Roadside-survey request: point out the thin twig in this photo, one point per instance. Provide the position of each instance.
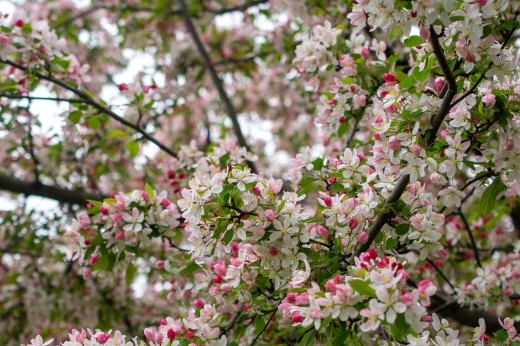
(90, 101)
(233, 321)
(40, 98)
(264, 328)
(471, 237)
(210, 66)
(481, 78)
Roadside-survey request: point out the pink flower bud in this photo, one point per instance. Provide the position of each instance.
(302, 298)
(489, 100)
(120, 235)
(427, 318)
(480, 2)
(102, 338)
(159, 264)
(470, 57)
(362, 237)
(389, 79)
(256, 190)
(103, 210)
(275, 185)
(383, 93)
(149, 334)
(327, 201)
(86, 273)
(365, 52)
(332, 180)
(273, 251)
(439, 83)
(93, 259)
(19, 23)
(297, 319)
(198, 303)
(269, 215)
(165, 203)
(122, 87)
(291, 298)
(394, 144)
(170, 333)
(353, 223)
(330, 286)
(322, 231)
(189, 335)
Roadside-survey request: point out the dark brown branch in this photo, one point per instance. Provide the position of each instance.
(90, 101)
(40, 98)
(471, 237)
(239, 7)
(233, 320)
(429, 137)
(37, 189)
(210, 66)
(481, 78)
(264, 328)
(468, 317)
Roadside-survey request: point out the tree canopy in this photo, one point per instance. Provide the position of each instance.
(254, 172)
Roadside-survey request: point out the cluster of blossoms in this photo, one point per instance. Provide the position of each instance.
(375, 292)
(199, 328)
(89, 338)
(315, 49)
(493, 283)
(124, 220)
(35, 46)
(238, 205)
(345, 98)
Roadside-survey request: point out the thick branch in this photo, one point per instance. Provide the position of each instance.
(210, 66)
(56, 193)
(465, 316)
(429, 137)
(90, 101)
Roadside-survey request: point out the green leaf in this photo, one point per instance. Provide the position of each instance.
(133, 148)
(75, 116)
(362, 287)
(402, 229)
(149, 190)
(400, 329)
(131, 270)
(190, 269)
(342, 129)
(116, 134)
(489, 197)
(228, 236)
(501, 335)
(391, 243)
(101, 264)
(412, 41)
(318, 164)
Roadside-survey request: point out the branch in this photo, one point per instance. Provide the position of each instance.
(264, 328)
(240, 7)
(471, 238)
(233, 321)
(429, 137)
(40, 98)
(465, 316)
(37, 189)
(481, 78)
(90, 101)
(210, 66)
